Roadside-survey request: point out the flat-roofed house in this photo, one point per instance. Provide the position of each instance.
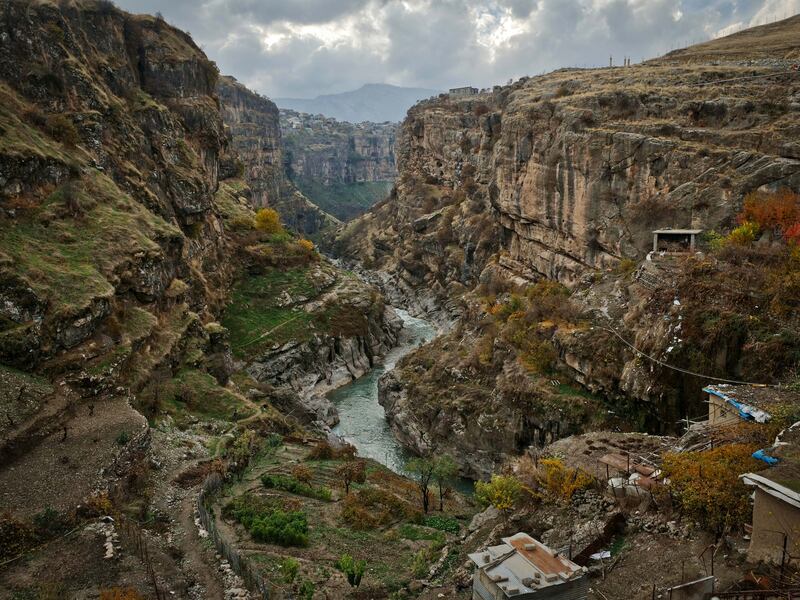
(463, 91)
(524, 568)
(675, 240)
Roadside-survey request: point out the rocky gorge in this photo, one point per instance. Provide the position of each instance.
(130, 175)
(343, 167)
(256, 137)
(173, 344)
(562, 178)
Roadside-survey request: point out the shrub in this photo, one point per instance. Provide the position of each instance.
(562, 481)
(714, 240)
(744, 234)
(289, 567)
(267, 522)
(778, 211)
(370, 507)
(268, 221)
(303, 474)
(306, 245)
(448, 524)
(244, 447)
(322, 450)
(353, 569)
(282, 528)
(626, 267)
(62, 129)
(123, 438)
(420, 563)
(792, 234)
(292, 485)
(706, 484)
(50, 522)
(306, 590)
(99, 504)
(539, 356)
(480, 109)
(502, 491)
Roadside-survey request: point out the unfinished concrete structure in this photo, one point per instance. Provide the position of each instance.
(776, 502)
(675, 240)
(463, 91)
(524, 568)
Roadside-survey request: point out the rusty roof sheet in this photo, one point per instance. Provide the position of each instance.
(541, 556)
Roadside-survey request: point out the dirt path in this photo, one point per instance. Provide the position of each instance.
(196, 556)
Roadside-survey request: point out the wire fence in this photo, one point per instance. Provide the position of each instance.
(132, 532)
(241, 565)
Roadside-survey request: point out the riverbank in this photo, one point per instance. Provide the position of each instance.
(362, 421)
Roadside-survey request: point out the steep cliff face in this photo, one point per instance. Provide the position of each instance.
(307, 329)
(564, 177)
(256, 137)
(342, 167)
(580, 166)
(109, 164)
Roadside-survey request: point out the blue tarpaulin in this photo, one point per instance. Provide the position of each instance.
(761, 455)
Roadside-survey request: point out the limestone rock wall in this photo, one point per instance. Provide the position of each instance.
(112, 134)
(256, 137)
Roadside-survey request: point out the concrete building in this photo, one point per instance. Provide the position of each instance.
(463, 91)
(776, 502)
(675, 240)
(524, 568)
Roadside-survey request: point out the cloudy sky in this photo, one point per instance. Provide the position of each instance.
(303, 48)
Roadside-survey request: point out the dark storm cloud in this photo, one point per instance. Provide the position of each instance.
(310, 47)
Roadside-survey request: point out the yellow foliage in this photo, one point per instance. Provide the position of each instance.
(306, 245)
(100, 504)
(502, 492)
(744, 234)
(707, 486)
(562, 481)
(268, 221)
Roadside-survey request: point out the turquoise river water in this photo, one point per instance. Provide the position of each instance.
(362, 419)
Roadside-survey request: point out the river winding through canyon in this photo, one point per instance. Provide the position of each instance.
(362, 421)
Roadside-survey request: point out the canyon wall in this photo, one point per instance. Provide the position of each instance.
(563, 177)
(109, 161)
(342, 167)
(256, 138)
(124, 224)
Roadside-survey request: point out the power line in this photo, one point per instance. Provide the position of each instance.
(687, 371)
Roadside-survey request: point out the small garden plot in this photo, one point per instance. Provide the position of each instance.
(300, 528)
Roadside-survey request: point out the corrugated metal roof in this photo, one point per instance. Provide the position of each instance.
(753, 401)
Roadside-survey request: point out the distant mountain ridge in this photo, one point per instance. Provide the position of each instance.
(376, 102)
